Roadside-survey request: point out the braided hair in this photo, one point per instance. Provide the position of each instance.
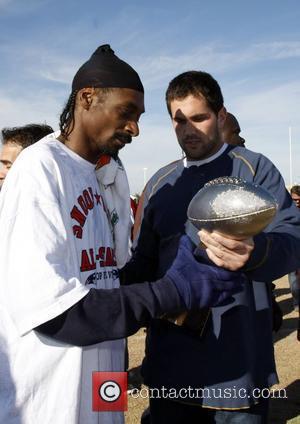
(67, 117)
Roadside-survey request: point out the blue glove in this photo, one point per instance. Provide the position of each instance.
(201, 285)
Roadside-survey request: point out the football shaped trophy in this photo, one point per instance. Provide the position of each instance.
(232, 207)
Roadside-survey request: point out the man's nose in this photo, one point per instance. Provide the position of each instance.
(190, 129)
(132, 128)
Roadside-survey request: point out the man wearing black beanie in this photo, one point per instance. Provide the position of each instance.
(62, 313)
(116, 90)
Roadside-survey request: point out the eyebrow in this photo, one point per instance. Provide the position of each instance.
(180, 115)
(131, 107)
(6, 162)
(201, 115)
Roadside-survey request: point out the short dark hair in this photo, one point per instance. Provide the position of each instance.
(198, 84)
(67, 117)
(26, 135)
(296, 189)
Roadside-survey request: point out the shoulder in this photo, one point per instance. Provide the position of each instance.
(47, 147)
(35, 170)
(256, 167)
(249, 160)
(41, 157)
(167, 174)
(244, 153)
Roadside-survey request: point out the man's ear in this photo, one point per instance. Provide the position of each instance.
(85, 97)
(222, 117)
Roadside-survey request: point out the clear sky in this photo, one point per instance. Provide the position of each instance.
(251, 48)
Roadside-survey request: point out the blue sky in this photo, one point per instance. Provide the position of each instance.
(251, 48)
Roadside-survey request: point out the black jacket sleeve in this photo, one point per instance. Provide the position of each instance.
(113, 314)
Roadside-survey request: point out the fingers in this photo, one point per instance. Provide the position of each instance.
(216, 239)
(227, 261)
(230, 261)
(217, 260)
(225, 252)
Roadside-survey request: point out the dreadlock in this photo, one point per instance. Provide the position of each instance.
(67, 117)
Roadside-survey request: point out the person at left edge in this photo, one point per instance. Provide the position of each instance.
(60, 301)
(14, 140)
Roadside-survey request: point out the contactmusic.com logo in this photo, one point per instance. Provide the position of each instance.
(109, 391)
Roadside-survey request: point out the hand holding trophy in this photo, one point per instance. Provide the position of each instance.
(232, 208)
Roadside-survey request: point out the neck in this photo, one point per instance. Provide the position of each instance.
(75, 142)
(208, 155)
(187, 162)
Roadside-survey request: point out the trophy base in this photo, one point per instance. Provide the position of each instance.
(193, 321)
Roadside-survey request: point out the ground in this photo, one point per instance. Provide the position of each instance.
(287, 353)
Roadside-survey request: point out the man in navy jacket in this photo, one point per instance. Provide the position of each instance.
(234, 360)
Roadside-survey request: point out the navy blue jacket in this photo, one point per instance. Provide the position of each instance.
(236, 351)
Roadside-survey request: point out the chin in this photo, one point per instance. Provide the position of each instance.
(196, 155)
(201, 153)
(111, 151)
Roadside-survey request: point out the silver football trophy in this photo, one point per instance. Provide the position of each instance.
(233, 207)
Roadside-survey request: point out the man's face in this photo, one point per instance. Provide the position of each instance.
(197, 127)
(8, 155)
(231, 132)
(296, 199)
(111, 122)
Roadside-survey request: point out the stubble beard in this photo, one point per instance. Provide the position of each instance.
(210, 148)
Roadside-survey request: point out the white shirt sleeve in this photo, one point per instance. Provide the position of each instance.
(39, 276)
